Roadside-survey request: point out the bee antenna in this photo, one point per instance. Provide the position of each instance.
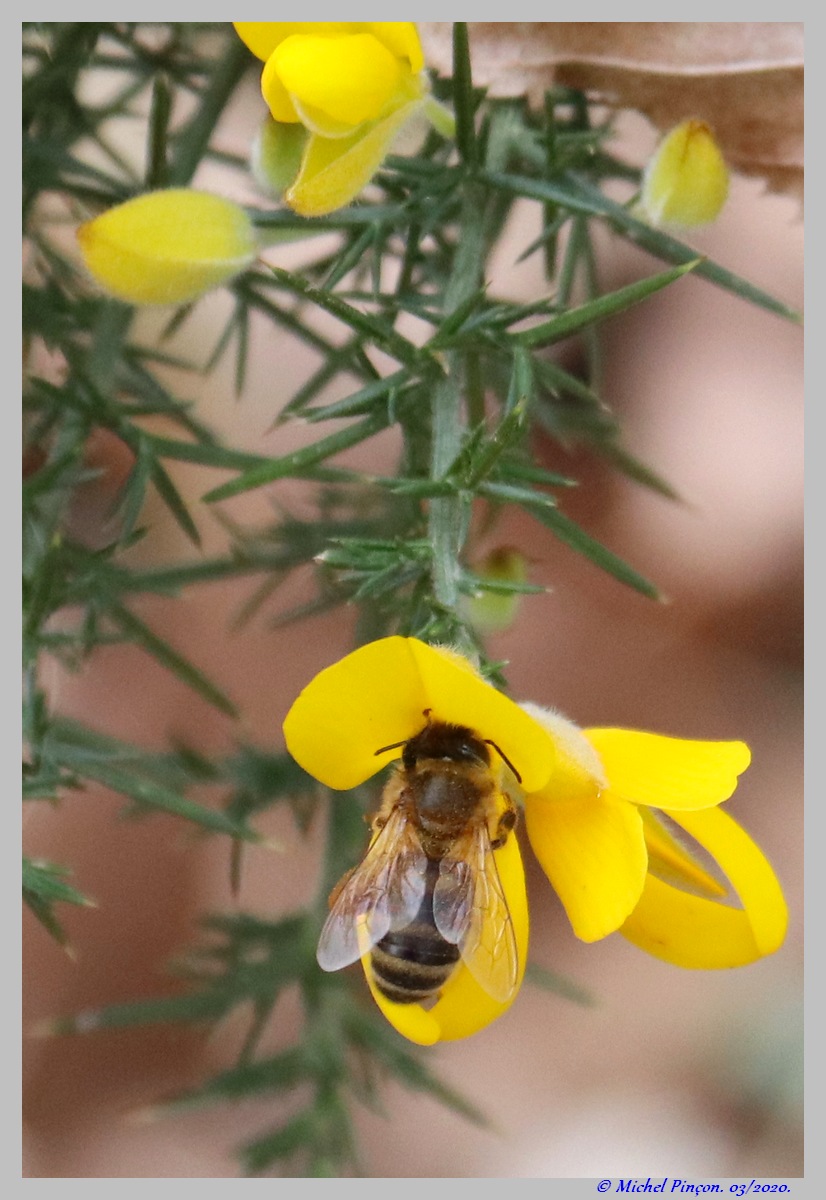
(426, 714)
(504, 758)
(394, 746)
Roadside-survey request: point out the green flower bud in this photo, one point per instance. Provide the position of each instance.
(491, 611)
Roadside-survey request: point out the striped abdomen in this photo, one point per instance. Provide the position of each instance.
(412, 964)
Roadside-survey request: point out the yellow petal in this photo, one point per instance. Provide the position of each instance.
(167, 247)
(668, 773)
(315, 120)
(686, 182)
(277, 97)
(671, 861)
(462, 697)
(464, 1007)
(335, 170)
(369, 699)
(592, 849)
(350, 79)
(692, 931)
(377, 696)
(401, 38)
(262, 37)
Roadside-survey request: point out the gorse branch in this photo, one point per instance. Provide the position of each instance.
(415, 341)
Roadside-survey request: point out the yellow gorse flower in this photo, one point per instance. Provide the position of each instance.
(686, 181)
(168, 246)
(351, 85)
(593, 800)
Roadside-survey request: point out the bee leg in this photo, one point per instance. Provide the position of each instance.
(506, 823)
(390, 799)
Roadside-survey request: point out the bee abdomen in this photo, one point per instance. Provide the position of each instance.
(413, 963)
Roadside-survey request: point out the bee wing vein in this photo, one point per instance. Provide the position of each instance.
(470, 910)
(384, 892)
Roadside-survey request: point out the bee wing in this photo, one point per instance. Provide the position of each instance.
(384, 892)
(470, 910)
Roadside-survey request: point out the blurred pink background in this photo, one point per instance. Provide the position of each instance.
(671, 1072)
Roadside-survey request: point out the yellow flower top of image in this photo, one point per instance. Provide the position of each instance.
(599, 807)
(686, 182)
(168, 246)
(351, 85)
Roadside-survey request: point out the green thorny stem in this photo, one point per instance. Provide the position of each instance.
(449, 515)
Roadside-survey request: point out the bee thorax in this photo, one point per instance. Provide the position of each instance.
(445, 801)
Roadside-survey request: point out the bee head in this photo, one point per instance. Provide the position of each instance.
(449, 743)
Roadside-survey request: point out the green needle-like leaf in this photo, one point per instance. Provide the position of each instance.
(299, 460)
(577, 195)
(137, 631)
(561, 985)
(463, 100)
(44, 886)
(574, 536)
(379, 333)
(174, 502)
(586, 315)
(148, 794)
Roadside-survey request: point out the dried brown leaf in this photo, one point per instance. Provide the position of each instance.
(745, 79)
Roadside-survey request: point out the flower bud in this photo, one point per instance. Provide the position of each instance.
(276, 155)
(167, 247)
(490, 611)
(686, 182)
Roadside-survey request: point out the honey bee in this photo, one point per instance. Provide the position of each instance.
(427, 893)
